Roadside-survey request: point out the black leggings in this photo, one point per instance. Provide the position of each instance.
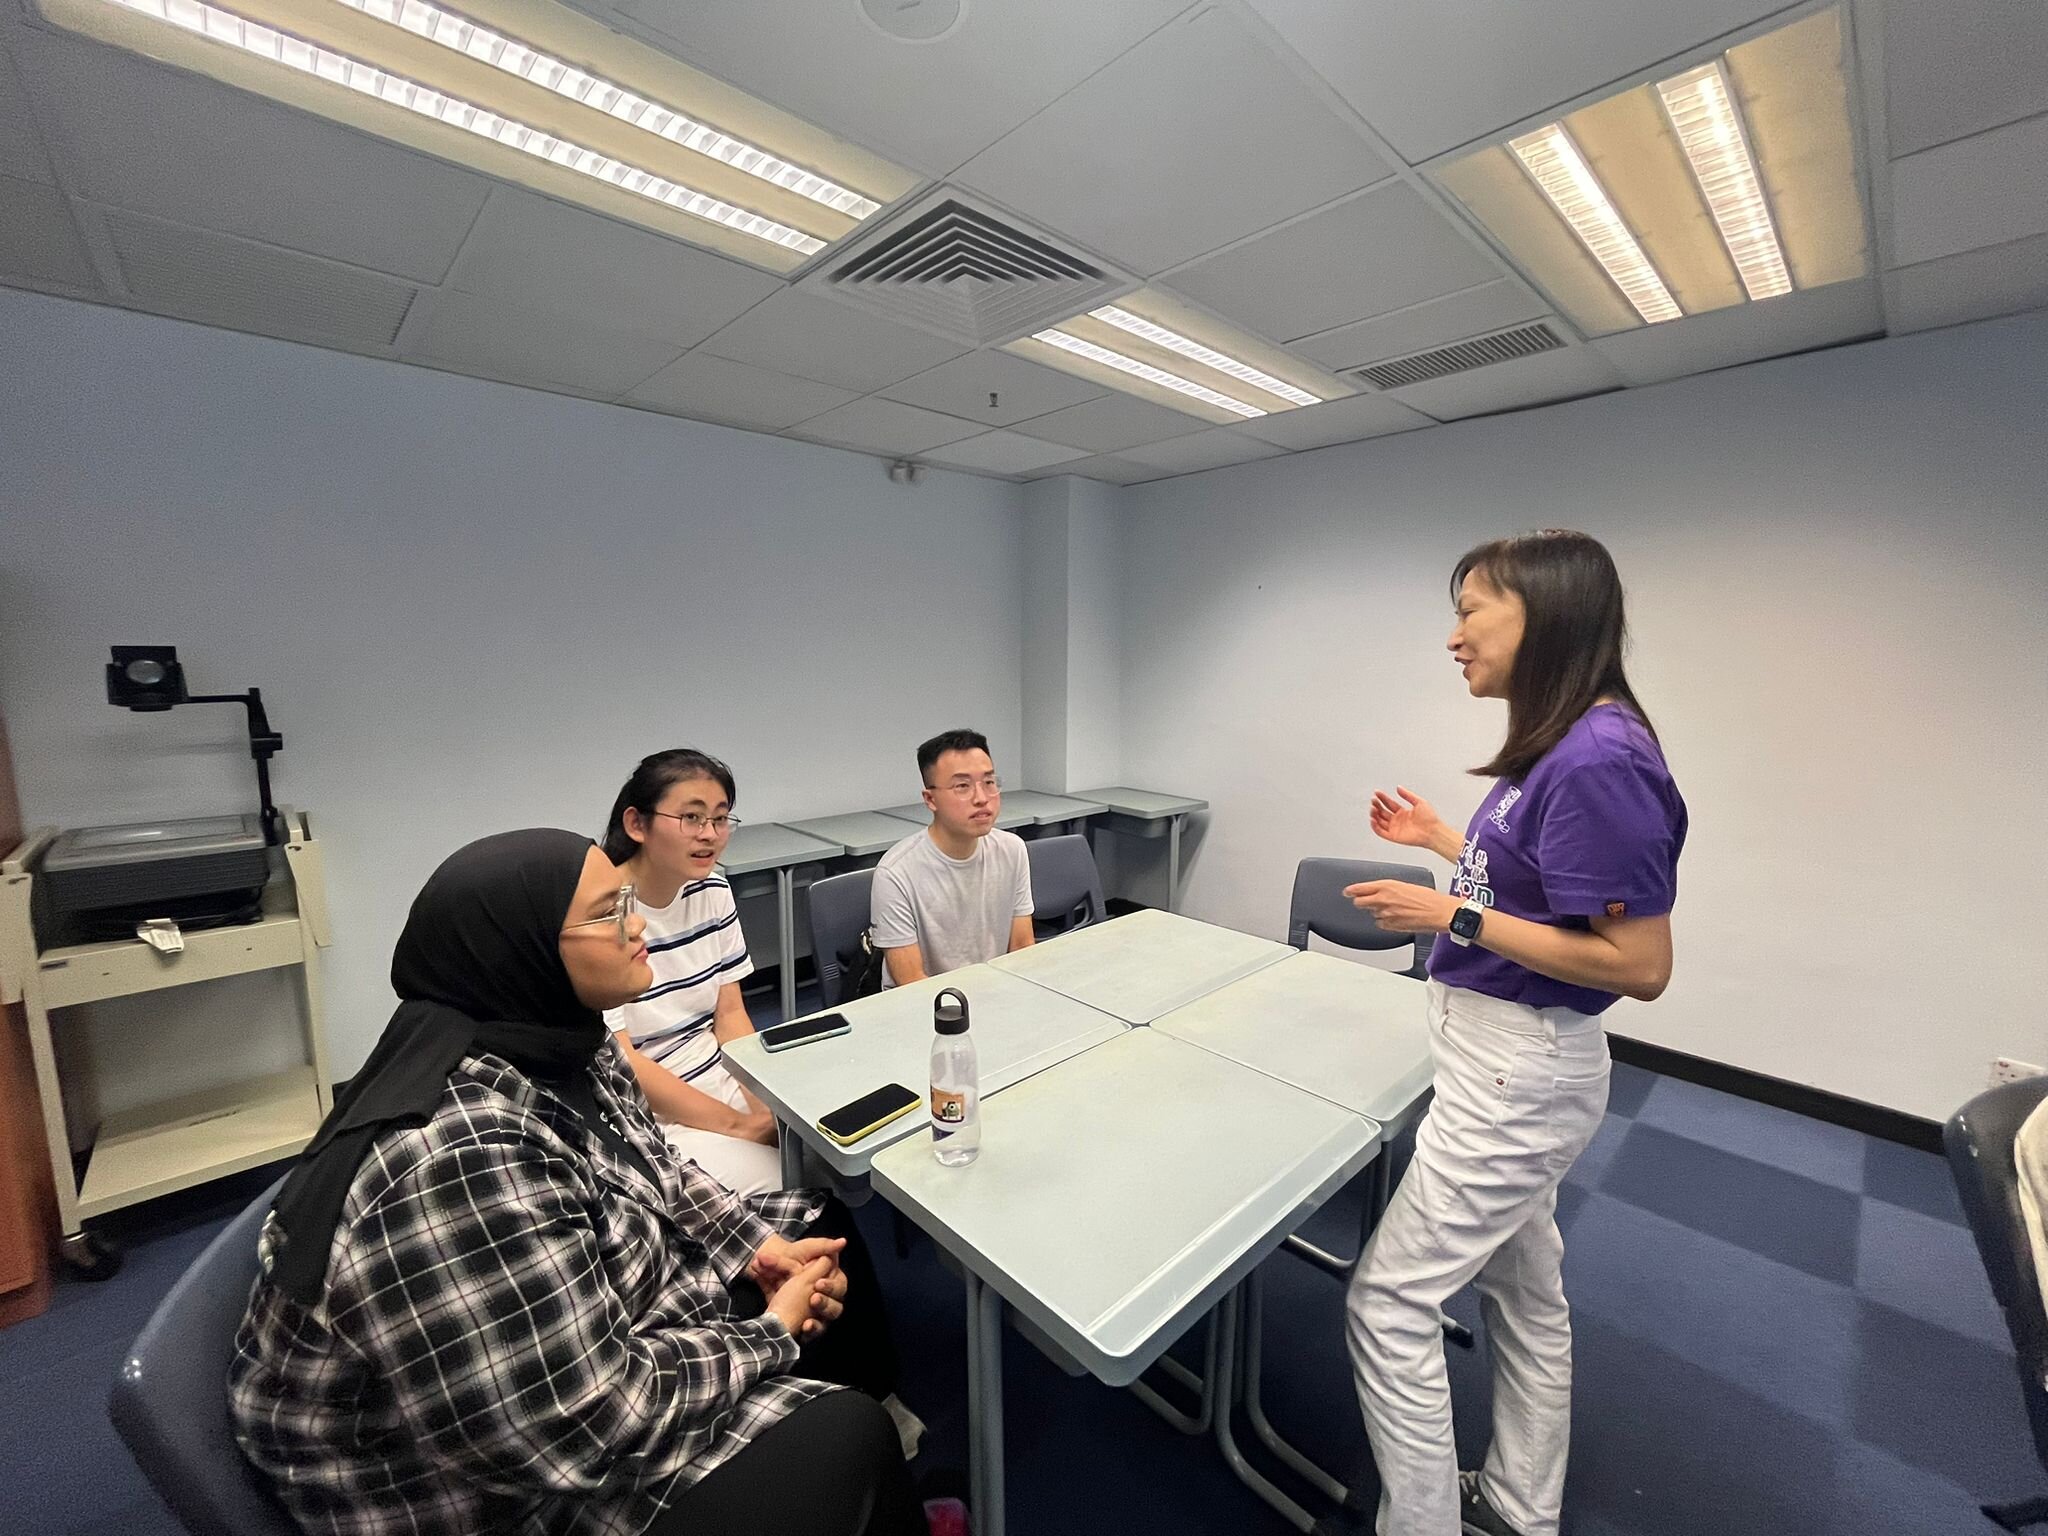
(831, 1467)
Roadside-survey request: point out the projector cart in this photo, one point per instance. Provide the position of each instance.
(140, 1153)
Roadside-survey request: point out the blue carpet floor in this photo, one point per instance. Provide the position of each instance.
(1781, 1328)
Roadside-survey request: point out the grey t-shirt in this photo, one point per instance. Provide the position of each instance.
(956, 911)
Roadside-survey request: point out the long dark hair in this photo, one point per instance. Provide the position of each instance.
(1574, 636)
(650, 781)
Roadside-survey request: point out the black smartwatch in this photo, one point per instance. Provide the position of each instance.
(1465, 922)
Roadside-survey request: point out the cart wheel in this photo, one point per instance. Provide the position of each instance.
(89, 1257)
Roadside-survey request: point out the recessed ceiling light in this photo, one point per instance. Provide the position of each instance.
(1145, 371)
(1553, 161)
(1702, 111)
(357, 75)
(464, 36)
(1209, 357)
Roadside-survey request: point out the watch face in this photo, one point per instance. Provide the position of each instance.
(1465, 924)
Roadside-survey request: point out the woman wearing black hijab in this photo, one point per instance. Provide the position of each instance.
(493, 1302)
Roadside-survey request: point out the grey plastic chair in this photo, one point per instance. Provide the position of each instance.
(839, 909)
(1320, 908)
(1979, 1140)
(170, 1402)
(1066, 887)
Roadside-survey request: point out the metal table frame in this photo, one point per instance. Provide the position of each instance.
(1147, 813)
(769, 847)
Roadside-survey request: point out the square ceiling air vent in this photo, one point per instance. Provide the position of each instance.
(1479, 352)
(953, 267)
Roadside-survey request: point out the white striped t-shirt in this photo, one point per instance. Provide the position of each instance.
(695, 946)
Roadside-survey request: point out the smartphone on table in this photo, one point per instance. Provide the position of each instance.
(820, 1026)
(868, 1113)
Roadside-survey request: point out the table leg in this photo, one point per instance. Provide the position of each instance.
(1255, 1410)
(1226, 1396)
(789, 1148)
(985, 1407)
(785, 930)
(1173, 863)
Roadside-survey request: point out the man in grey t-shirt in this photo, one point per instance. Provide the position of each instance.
(959, 892)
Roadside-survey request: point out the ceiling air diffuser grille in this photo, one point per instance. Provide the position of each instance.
(1459, 357)
(967, 274)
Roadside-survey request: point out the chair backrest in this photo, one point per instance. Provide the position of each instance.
(839, 908)
(170, 1400)
(1066, 888)
(1979, 1140)
(1321, 908)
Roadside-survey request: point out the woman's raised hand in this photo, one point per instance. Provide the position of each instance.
(1411, 820)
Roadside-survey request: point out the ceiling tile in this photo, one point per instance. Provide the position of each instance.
(1548, 376)
(1022, 389)
(1432, 323)
(1961, 66)
(1113, 423)
(1198, 136)
(1973, 286)
(1106, 467)
(39, 243)
(737, 394)
(1003, 453)
(1202, 450)
(1336, 421)
(21, 151)
(136, 135)
(1431, 76)
(1745, 333)
(241, 285)
(527, 250)
(539, 347)
(1985, 190)
(1382, 251)
(831, 342)
(928, 104)
(884, 426)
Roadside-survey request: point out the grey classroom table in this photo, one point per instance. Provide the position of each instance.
(1349, 1033)
(758, 847)
(1008, 818)
(1018, 1029)
(1107, 1209)
(1144, 965)
(859, 834)
(1045, 810)
(1147, 813)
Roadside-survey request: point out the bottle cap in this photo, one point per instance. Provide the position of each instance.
(949, 1012)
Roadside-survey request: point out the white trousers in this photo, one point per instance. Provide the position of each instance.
(744, 1167)
(1519, 1093)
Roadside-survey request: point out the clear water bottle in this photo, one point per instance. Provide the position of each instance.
(956, 1082)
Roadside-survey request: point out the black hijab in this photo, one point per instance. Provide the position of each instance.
(477, 968)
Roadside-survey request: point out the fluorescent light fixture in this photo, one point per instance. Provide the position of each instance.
(311, 59)
(463, 36)
(1709, 128)
(1145, 371)
(1554, 163)
(1173, 341)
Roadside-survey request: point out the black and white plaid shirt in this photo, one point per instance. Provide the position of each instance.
(519, 1333)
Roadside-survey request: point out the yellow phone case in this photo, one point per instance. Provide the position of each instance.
(869, 1130)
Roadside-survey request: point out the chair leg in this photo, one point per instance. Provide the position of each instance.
(2019, 1514)
(904, 1232)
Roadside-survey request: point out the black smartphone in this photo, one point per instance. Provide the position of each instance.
(822, 1026)
(868, 1113)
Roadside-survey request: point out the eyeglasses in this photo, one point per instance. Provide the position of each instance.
(623, 906)
(721, 826)
(965, 787)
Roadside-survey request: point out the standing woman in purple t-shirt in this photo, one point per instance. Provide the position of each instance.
(1560, 903)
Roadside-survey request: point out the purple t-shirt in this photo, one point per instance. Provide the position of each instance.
(1594, 829)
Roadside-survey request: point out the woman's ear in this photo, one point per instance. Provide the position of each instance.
(635, 824)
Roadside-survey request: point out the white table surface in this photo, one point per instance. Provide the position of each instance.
(1043, 808)
(761, 845)
(1145, 804)
(1018, 1029)
(1342, 1031)
(1007, 818)
(1119, 1194)
(1144, 965)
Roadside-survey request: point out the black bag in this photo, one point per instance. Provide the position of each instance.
(861, 968)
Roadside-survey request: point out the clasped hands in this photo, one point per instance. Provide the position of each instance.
(803, 1282)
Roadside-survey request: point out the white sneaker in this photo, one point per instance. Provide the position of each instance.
(909, 1427)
